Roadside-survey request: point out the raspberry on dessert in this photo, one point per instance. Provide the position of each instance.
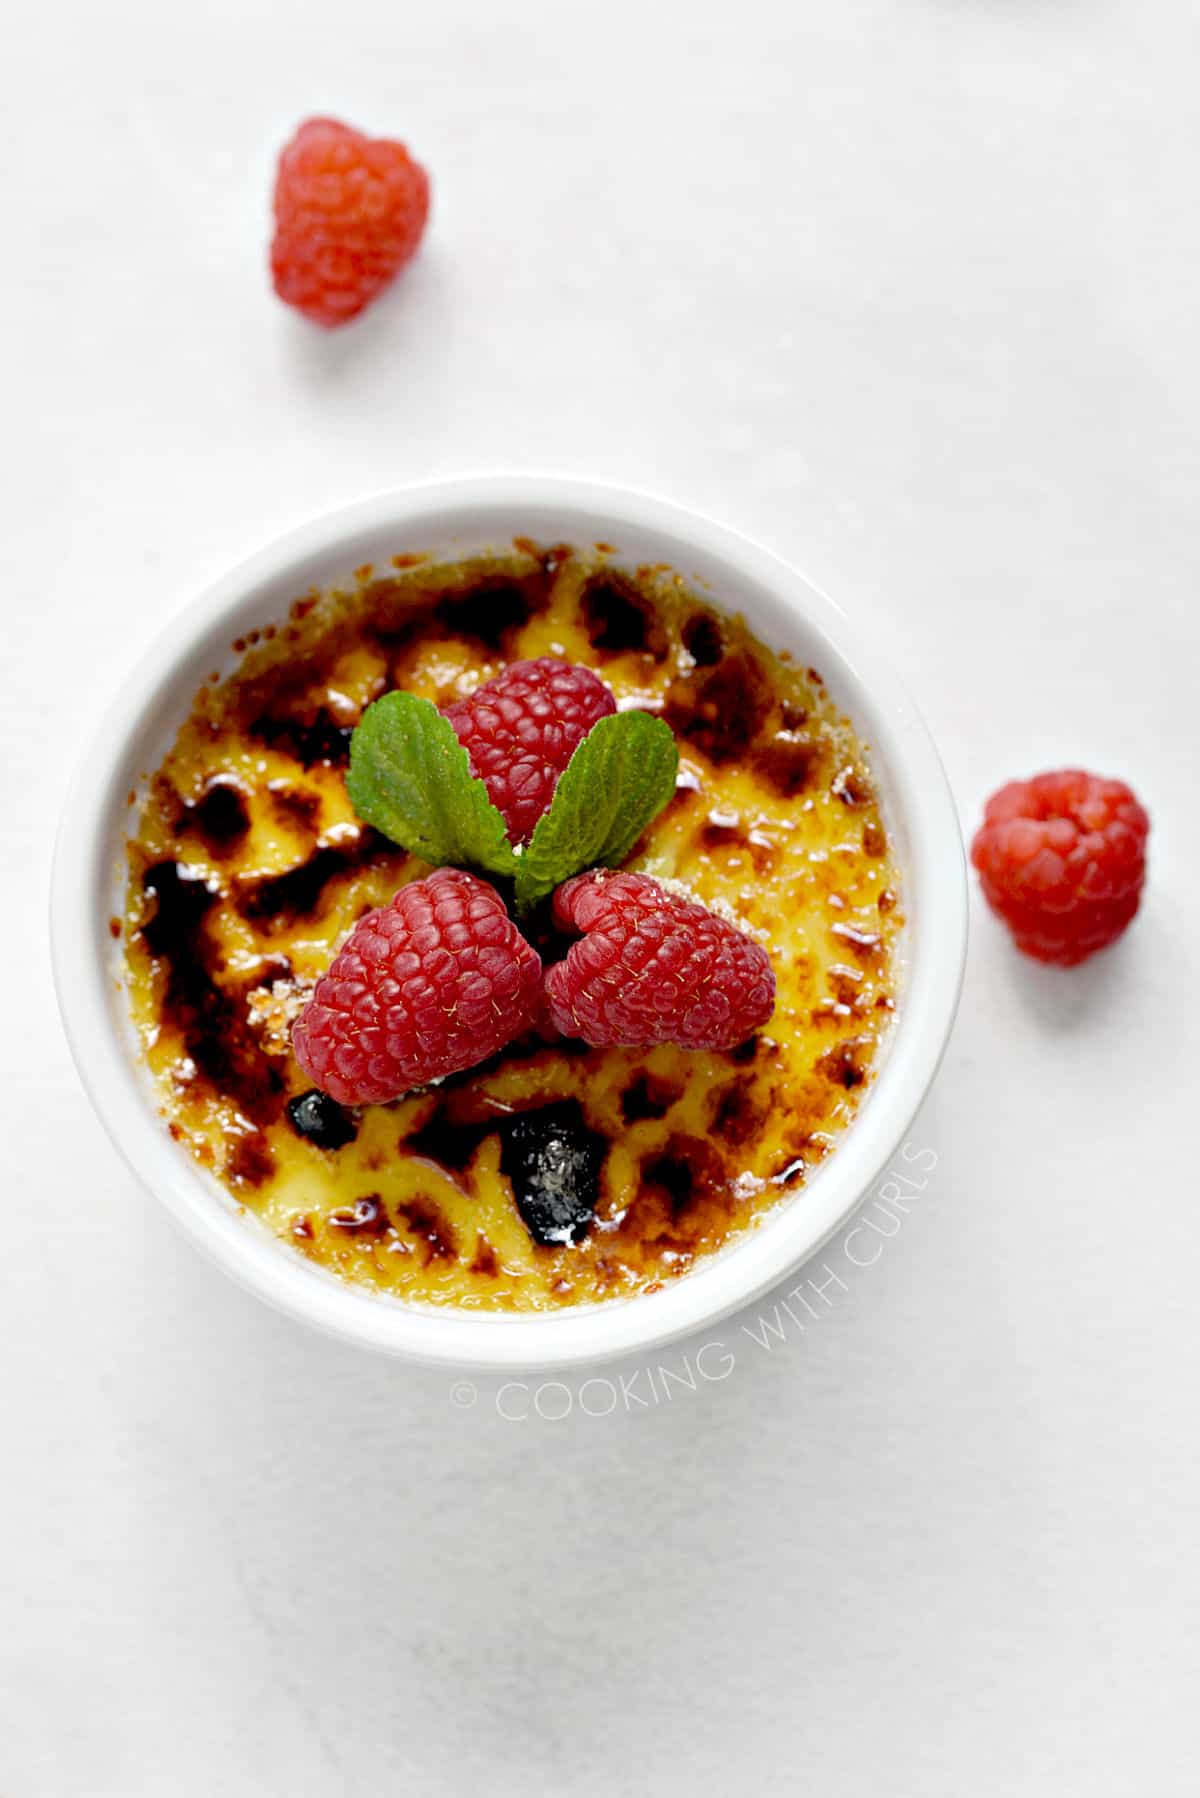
(431, 983)
(1062, 859)
(349, 213)
(654, 968)
(521, 730)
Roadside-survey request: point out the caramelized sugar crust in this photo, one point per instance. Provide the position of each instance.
(248, 867)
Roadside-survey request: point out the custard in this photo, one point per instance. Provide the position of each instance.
(248, 867)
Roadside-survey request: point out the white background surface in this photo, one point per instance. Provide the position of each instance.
(908, 289)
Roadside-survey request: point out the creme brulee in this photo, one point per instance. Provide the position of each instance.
(248, 867)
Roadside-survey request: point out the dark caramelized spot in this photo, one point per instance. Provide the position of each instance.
(219, 817)
(647, 1096)
(213, 1025)
(553, 1160)
(874, 841)
(485, 1261)
(295, 894)
(618, 618)
(851, 786)
(295, 805)
(489, 610)
(704, 639)
(426, 1222)
(114, 928)
(321, 1121)
(274, 970)
(182, 898)
(886, 900)
(302, 1228)
(397, 622)
(687, 1171)
(790, 1174)
(721, 710)
(448, 1142)
(250, 1161)
(846, 1064)
(720, 830)
(746, 1052)
(285, 898)
(788, 761)
(322, 739)
(845, 983)
(740, 1112)
(366, 1217)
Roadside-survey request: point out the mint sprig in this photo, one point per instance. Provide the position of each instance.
(411, 778)
(619, 778)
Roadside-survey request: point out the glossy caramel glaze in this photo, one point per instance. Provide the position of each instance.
(248, 867)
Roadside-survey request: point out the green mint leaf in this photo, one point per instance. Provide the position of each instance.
(411, 778)
(620, 777)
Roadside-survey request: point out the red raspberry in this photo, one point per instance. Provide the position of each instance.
(1062, 859)
(522, 729)
(654, 968)
(433, 982)
(349, 212)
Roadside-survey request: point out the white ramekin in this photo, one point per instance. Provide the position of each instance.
(451, 517)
